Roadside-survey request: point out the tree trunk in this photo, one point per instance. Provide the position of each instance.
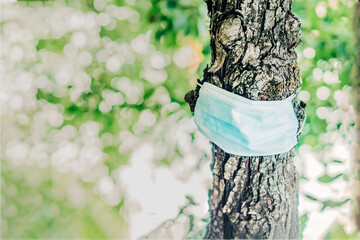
(252, 43)
(356, 92)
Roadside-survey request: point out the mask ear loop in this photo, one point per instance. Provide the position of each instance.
(302, 126)
(198, 82)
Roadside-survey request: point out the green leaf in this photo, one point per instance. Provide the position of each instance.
(327, 179)
(333, 204)
(191, 224)
(311, 198)
(303, 220)
(191, 200)
(338, 161)
(336, 232)
(304, 178)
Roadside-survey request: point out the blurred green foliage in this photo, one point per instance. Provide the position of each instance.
(35, 205)
(331, 37)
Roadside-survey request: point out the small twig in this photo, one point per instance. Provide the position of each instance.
(168, 223)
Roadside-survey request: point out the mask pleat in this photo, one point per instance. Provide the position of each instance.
(244, 127)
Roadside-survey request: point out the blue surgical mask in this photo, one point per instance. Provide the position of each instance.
(245, 127)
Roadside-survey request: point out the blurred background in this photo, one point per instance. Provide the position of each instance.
(98, 143)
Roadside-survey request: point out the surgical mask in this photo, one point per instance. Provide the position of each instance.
(245, 127)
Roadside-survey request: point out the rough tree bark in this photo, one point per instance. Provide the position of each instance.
(356, 92)
(252, 43)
